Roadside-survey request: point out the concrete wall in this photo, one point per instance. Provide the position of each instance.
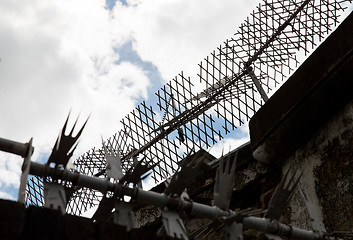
(327, 161)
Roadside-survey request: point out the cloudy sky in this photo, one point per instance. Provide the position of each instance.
(95, 58)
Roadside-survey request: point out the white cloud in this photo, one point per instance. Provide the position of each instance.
(57, 56)
(51, 52)
(60, 55)
(176, 35)
(5, 195)
(230, 143)
(10, 170)
(90, 212)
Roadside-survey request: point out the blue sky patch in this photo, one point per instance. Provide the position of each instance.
(128, 54)
(109, 4)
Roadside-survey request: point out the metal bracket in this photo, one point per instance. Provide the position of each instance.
(173, 225)
(25, 171)
(257, 84)
(224, 182)
(54, 196)
(124, 214)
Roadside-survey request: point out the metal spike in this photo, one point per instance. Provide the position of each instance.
(73, 127)
(282, 195)
(182, 179)
(113, 163)
(133, 175)
(173, 225)
(224, 182)
(65, 145)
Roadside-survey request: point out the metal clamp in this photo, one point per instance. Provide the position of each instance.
(257, 83)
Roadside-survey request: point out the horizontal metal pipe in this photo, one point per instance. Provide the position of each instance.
(298, 234)
(162, 200)
(13, 147)
(267, 226)
(153, 198)
(77, 179)
(205, 211)
(98, 183)
(280, 229)
(147, 197)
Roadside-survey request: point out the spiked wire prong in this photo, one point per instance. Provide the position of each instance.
(282, 195)
(174, 225)
(188, 173)
(135, 172)
(65, 145)
(113, 162)
(225, 181)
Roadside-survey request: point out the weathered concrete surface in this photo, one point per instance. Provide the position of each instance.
(327, 161)
(316, 91)
(307, 125)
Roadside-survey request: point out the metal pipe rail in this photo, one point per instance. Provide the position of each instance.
(13, 147)
(24, 150)
(177, 204)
